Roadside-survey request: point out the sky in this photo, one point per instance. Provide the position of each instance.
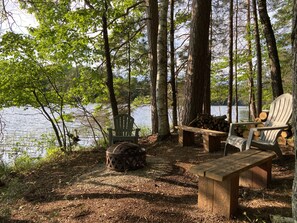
(18, 19)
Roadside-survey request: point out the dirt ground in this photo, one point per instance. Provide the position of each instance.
(81, 189)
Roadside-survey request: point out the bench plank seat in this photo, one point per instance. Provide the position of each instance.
(236, 163)
(211, 138)
(202, 131)
(219, 179)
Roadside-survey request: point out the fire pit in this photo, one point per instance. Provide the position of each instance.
(125, 156)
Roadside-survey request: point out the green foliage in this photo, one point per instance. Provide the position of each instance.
(13, 190)
(145, 131)
(141, 100)
(283, 27)
(28, 80)
(24, 163)
(53, 153)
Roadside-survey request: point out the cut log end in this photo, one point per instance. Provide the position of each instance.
(263, 116)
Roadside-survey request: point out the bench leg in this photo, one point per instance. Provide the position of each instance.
(185, 138)
(257, 177)
(211, 143)
(218, 197)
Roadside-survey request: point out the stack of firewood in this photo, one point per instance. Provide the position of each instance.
(243, 130)
(207, 121)
(284, 139)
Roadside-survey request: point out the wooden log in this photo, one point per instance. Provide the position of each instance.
(281, 141)
(256, 138)
(257, 133)
(245, 134)
(263, 115)
(220, 117)
(250, 126)
(286, 134)
(258, 119)
(260, 125)
(207, 121)
(290, 141)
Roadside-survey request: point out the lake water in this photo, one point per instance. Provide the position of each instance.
(27, 129)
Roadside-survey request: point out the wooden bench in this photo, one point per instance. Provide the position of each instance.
(219, 179)
(211, 138)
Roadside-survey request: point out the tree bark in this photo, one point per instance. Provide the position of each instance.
(230, 96)
(152, 30)
(172, 66)
(162, 104)
(236, 63)
(275, 70)
(197, 60)
(259, 59)
(109, 82)
(53, 123)
(252, 103)
(294, 117)
(207, 91)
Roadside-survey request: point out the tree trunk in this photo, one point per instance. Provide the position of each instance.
(259, 60)
(236, 63)
(207, 92)
(276, 81)
(112, 98)
(230, 96)
(51, 120)
(294, 117)
(172, 66)
(197, 60)
(252, 106)
(152, 30)
(162, 104)
(129, 73)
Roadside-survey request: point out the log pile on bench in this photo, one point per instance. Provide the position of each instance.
(206, 121)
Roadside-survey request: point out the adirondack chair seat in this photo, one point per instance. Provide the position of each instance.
(237, 142)
(115, 139)
(241, 143)
(123, 130)
(279, 115)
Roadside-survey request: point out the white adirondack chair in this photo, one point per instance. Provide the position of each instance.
(280, 113)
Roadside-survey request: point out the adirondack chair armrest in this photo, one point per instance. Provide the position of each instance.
(137, 132)
(233, 125)
(266, 128)
(270, 128)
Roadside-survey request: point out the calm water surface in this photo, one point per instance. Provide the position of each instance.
(26, 129)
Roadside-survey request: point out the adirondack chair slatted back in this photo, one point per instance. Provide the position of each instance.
(280, 113)
(123, 125)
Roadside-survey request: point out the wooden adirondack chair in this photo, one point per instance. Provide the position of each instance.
(123, 129)
(279, 115)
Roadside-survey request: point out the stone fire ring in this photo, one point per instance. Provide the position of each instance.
(125, 156)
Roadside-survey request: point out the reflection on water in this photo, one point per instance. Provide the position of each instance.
(27, 129)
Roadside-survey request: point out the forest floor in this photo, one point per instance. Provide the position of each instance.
(80, 188)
